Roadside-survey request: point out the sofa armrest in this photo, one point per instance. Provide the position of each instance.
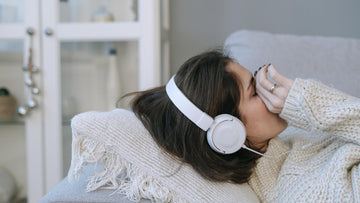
(68, 192)
(76, 192)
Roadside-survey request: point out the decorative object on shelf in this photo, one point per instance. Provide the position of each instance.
(113, 86)
(102, 14)
(7, 105)
(29, 70)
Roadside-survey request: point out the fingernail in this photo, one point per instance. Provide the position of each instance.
(255, 73)
(269, 64)
(259, 68)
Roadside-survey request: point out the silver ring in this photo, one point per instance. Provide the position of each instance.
(273, 87)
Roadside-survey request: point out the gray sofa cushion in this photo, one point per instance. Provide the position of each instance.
(334, 61)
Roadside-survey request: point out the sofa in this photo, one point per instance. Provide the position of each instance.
(331, 60)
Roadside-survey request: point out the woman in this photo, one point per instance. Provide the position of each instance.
(316, 161)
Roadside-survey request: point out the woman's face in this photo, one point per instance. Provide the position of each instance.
(261, 125)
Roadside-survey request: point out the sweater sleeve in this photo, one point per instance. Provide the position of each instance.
(313, 106)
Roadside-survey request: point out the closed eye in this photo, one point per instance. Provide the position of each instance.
(253, 81)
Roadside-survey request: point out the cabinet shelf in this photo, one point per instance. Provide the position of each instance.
(21, 123)
(14, 122)
(98, 31)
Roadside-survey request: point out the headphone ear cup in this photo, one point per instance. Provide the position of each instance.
(227, 135)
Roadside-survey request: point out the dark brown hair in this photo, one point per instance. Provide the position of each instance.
(206, 82)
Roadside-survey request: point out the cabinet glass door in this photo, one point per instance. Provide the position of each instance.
(97, 10)
(94, 75)
(12, 128)
(11, 11)
(90, 63)
(21, 146)
(11, 80)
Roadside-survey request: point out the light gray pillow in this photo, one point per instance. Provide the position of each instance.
(334, 61)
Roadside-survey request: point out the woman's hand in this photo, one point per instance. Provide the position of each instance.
(272, 94)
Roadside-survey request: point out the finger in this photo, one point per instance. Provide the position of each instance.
(269, 105)
(265, 100)
(265, 92)
(277, 77)
(262, 80)
(256, 71)
(276, 98)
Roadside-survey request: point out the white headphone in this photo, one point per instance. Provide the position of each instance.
(225, 134)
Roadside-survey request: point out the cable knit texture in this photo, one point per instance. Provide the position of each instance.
(128, 160)
(323, 140)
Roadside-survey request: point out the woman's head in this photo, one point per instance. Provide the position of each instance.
(212, 82)
(261, 125)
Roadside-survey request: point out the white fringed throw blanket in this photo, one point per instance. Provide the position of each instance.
(132, 163)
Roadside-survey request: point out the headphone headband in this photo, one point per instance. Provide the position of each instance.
(225, 133)
(192, 112)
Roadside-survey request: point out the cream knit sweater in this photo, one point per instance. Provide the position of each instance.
(324, 144)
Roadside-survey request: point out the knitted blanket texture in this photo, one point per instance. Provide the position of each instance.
(131, 163)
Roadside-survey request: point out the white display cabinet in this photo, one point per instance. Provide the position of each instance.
(87, 52)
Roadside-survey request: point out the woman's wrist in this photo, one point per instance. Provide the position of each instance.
(293, 110)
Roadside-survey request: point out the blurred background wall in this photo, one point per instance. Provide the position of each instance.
(198, 25)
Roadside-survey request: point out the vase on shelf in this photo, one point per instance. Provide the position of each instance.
(113, 80)
(102, 14)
